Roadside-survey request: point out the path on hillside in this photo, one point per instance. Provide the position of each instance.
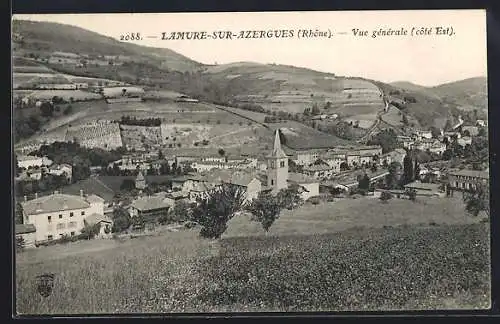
(242, 116)
(380, 113)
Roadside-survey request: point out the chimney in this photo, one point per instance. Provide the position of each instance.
(36, 195)
(81, 193)
(25, 198)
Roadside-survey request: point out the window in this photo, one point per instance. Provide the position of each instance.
(83, 213)
(72, 233)
(49, 219)
(272, 182)
(71, 214)
(50, 237)
(61, 226)
(60, 216)
(282, 164)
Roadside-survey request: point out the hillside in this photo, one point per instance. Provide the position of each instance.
(272, 88)
(46, 37)
(468, 94)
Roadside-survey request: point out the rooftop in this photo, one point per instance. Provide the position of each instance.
(25, 228)
(300, 178)
(471, 173)
(54, 203)
(152, 203)
(423, 186)
(96, 218)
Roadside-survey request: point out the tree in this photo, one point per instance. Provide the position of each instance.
(408, 172)
(392, 178)
(385, 196)
(16, 166)
(387, 139)
(374, 167)
(121, 220)
(416, 170)
(179, 213)
(89, 231)
(222, 152)
(20, 243)
(127, 184)
(477, 199)
(405, 120)
(315, 109)
(217, 208)
(266, 209)
(481, 132)
(289, 198)
(19, 214)
(435, 132)
(46, 109)
(411, 193)
(364, 183)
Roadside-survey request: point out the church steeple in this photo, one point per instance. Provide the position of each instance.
(277, 150)
(277, 166)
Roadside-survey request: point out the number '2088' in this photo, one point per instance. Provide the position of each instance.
(130, 37)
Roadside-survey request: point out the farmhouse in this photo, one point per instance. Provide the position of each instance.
(467, 179)
(319, 170)
(27, 233)
(58, 214)
(245, 179)
(105, 224)
(61, 169)
(151, 207)
(397, 155)
(425, 189)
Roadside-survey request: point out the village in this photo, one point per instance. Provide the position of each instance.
(147, 186)
(257, 175)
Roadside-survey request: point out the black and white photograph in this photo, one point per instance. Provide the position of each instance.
(180, 163)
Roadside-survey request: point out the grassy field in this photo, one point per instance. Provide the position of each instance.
(356, 263)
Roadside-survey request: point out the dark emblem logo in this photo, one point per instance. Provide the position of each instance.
(44, 284)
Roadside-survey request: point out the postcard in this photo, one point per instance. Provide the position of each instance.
(250, 162)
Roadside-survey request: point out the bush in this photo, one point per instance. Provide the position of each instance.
(314, 200)
(385, 196)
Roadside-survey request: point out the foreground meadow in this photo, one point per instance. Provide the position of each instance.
(396, 264)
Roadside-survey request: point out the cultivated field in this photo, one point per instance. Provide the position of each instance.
(299, 266)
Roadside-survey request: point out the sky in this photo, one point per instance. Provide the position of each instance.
(425, 60)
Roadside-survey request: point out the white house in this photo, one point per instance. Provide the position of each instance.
(58, 214)
(61, 169)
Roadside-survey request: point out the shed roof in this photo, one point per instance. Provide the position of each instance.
(25, 228)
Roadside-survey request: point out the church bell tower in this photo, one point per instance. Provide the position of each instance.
(277, 166)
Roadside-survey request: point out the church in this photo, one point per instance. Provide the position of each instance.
(278, 176)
